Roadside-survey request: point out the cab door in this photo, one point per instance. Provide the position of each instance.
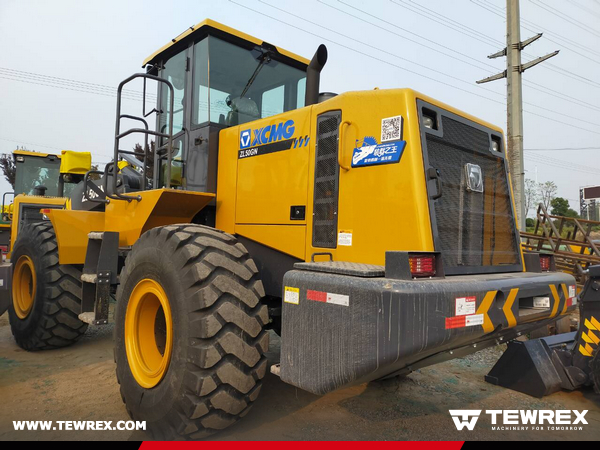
(273, 159)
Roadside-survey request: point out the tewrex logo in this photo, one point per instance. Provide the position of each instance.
(465, 418)
(271, 133)
(517, 420)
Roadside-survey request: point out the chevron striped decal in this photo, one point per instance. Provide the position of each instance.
(484, 309)
(507, 308)
(590, 338)
(556, 298)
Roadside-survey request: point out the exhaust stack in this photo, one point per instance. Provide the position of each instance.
(313, 75)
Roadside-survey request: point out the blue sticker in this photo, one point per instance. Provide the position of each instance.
(369, 152)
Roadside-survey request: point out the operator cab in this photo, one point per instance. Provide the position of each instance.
(221, 78)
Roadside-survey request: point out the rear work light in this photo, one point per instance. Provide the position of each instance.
(545, 263)
(422, 265)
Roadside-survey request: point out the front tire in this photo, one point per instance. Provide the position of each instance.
(46, 296)
(199, 369)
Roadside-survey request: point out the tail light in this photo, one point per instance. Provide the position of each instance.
(422, 265)
(545, 263)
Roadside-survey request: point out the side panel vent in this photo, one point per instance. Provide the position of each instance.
(325, 211)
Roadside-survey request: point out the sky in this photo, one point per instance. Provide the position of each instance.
(436, 47)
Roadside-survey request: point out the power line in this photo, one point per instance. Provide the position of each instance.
(534, 28)
(83, 84)
(30, 143)
(584, 8)
(569, 163)
(385, 61)
(565, 17)
(363, 53)
(58, 86)
(546, 30)
(449, 23)
(477, 64)
(563, 165)
(560, 149)
(445, 21)
(71, 85)
(561, 113)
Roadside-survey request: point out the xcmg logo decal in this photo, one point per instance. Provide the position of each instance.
(270, 139)
(271, 133)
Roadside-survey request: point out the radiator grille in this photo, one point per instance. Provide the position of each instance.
(326, 181)
(473, 229)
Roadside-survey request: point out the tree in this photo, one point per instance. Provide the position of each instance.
(7, 164)
(560, 207)
(150, 163)
(531, 195)
(547, 193)
(94, 176)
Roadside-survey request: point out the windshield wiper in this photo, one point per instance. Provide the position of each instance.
(265, 58)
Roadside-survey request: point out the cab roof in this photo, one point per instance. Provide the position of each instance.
(31, 153)
(202, 29)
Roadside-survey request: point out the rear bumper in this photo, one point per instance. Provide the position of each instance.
(371, 328)
(5, 286)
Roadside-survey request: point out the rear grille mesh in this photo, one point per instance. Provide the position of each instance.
(473, 229)
(326, 181)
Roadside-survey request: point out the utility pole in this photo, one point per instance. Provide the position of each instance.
(513, 75)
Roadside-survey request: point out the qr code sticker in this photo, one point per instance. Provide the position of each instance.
(391, 129)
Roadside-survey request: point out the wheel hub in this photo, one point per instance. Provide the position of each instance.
(24, 287)
(148, 333)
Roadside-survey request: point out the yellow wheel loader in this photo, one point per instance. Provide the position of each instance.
(374, 230)
(42, 180)
(34, 172)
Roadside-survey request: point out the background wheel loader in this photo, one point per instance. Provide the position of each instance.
(375, 231)
(42, 180)
(41, 173)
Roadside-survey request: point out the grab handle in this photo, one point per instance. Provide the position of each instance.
(341, 144)
(434, 174)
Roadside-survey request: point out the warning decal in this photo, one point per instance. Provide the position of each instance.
(327, 297)
(345, 238)
(464, 321)
(292, 295)
(465, 306)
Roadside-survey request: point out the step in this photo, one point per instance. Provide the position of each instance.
(89, 277)
(87, 317)
(96, 235)
(276, 370)
(90, 319)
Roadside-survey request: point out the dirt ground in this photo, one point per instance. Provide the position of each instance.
(78, 383)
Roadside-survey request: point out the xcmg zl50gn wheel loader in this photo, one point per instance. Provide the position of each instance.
(375, 231)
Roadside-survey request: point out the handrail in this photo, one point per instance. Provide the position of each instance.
(146, 131)
(9, 214)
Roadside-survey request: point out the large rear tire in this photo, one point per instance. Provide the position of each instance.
(46, 296)
(189, 331)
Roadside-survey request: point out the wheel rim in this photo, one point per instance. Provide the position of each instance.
(24, 286)
(148, 333)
